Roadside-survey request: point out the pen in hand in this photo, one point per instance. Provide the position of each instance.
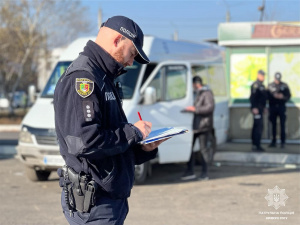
(140, 116)
(143, 126)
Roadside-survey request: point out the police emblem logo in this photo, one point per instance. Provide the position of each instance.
(84, 87)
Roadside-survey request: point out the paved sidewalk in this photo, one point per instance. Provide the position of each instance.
(10, 128)
(241, 154)
(232, 196)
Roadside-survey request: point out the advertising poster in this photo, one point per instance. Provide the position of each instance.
(243, 72)
(288, 64)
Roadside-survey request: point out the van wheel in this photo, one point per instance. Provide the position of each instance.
(141, 172)
(37, 175)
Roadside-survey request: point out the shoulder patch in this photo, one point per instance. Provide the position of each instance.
(255, 86)
(84, 87)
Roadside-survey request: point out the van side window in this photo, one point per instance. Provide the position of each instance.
(201, 71)
(157, 84)
(60, 68)
(217, 80)
(176, 82)
(149, 68)
(170, 82)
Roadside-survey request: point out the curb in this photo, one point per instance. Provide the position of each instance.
(258, 158)
(10, 128)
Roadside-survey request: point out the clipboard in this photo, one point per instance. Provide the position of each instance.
(163, 133)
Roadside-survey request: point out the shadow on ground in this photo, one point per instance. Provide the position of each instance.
(171, 173)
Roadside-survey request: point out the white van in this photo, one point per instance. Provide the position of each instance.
(159, 91)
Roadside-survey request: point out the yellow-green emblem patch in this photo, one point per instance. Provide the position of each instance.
(84, 87)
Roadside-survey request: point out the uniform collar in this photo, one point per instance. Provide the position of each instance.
(260, 82)
(110, 66)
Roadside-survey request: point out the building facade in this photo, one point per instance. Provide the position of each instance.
(273, 47)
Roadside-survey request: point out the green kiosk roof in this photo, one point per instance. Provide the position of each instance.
(259, 34)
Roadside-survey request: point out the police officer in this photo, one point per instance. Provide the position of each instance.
(278, 94)
(100, 147)
(258, 100)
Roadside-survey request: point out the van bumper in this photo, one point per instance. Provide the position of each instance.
(39, 157)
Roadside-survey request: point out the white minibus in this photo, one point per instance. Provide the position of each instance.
(159, 91)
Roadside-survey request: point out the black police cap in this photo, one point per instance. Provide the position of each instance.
(261, 72)
(278, 76)
(129, 29)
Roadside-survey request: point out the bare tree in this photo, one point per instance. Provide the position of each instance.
(29, 27)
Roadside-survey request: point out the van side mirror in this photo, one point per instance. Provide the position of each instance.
(150, 96)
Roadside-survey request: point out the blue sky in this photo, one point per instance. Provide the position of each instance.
(194, 20)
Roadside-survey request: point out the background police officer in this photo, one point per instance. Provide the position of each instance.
(258, 100)
(100, 147)
(278, 94)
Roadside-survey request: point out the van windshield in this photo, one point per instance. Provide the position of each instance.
(60, 68)
(128, 80)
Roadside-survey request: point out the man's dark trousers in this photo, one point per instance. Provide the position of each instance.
(203, 139)
(257, 128)
(275, 111)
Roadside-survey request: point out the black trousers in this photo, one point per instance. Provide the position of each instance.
(106, 211)
(278, 111)
(206, 153)
(257, 128)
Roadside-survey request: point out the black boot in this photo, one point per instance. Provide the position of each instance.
(272, 144)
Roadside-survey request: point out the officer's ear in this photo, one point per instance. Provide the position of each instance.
(117, 40)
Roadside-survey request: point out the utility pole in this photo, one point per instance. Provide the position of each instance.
(99, 18)
(175, 35)
(227, 16)
(262, 9)
(227, 11)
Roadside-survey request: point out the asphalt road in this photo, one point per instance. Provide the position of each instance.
(9, 138)
(233, 196)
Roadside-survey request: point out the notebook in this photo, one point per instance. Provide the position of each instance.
(163, 133)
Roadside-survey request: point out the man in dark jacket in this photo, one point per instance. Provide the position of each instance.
(202, 127)
(258, 99)
(100, 147)
(278, 94)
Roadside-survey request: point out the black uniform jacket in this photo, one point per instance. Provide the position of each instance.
(258, 97)
(93, 132)
(282, 88)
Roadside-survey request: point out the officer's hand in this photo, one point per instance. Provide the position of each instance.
(144, 127)
(280, 96)
(150, 147)
(255, 111)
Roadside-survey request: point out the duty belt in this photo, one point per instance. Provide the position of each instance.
(79, 190)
